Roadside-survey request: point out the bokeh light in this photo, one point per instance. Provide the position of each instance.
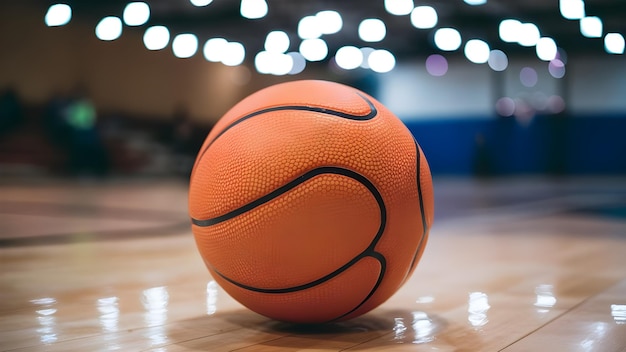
(349, 57)
(529, 35)
(156, 37)
(505, 106)
(299, 63)
(109, 28)
(546, 49)
(614, 43)
(234, 54)
(477, 51)
(136, 13)
(528, 77)
(556, 68)
(381, 61)
(253, 9)
(475, 2)
(366, 51)
(498, 61)
(184, 45)
(591, 27)
(200, 3)
(58, 15)
(314, 49)
(330, 22)
(447, 39)
(214, 48)
(399, 7)
(509, 30)
(424, 17)
(274, 63)
(572, 9)
(372, 30)
(277, 41)
(308, 28)
(436, 65)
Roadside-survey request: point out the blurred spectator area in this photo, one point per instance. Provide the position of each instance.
(132, 145)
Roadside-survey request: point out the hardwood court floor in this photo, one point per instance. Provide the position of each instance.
(511, 265)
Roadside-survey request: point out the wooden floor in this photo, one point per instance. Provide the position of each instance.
(512, 265)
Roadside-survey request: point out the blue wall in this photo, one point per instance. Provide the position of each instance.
(593, 145)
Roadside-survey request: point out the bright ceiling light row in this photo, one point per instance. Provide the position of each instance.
(313, 48)
(591, 26)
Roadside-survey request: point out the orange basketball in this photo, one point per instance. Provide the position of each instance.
(310, 202)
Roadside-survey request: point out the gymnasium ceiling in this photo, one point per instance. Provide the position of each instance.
(221, 18)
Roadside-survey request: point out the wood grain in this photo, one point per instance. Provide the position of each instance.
(512, 265)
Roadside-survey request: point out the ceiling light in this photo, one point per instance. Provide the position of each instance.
(234, 54)
(109, 28)
(185, 45)
(509, 30)
(447, 39)
(572, 9)
(156, 37)
(277, 41)
(273, 63)
(372, 30)
(614, 43)
(136, 13)
(200, 3)
(214, 48)
(399, 7)
(477, 51)
(330, 22)
(475, 2)
(58, 15)
(314, 49)
(424, 17)
(253, 9)
(381, 61)
(349, 57)
(591, 27)
(546, 49)
(308, 28)
(529, 35)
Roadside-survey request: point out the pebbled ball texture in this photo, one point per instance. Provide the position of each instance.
(310, 202)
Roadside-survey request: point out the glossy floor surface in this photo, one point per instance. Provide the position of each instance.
(511, 265)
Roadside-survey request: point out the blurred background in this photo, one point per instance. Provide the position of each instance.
(488, 87)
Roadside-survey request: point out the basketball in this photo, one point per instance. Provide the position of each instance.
(310, 202)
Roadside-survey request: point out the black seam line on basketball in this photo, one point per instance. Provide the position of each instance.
(286, 188)
(370, 115)
(368, 252)
(383, 268)
(421, 203)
